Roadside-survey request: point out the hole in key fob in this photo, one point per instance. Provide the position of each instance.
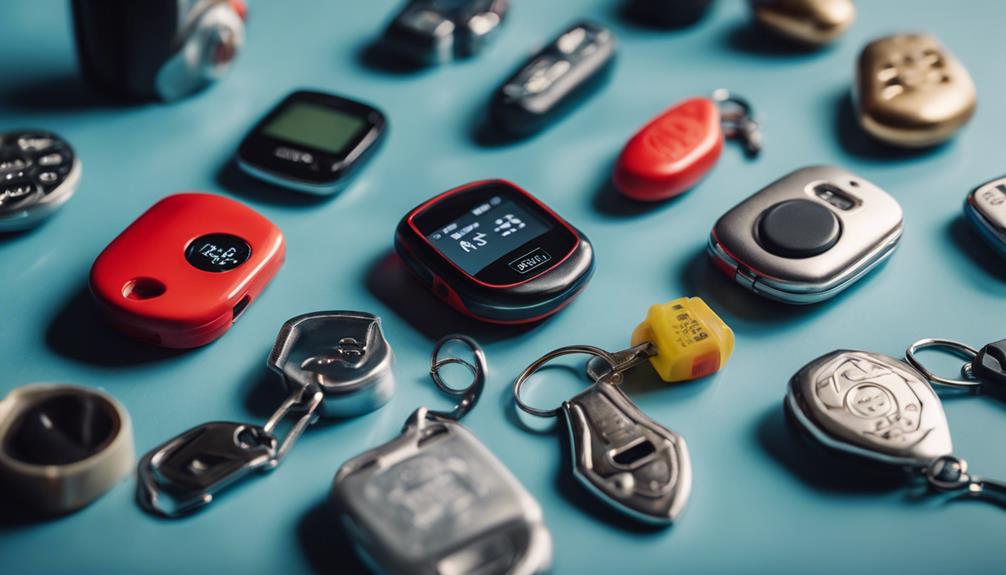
(675, 150)
(807, 236)
(186, 269)
(911, 91)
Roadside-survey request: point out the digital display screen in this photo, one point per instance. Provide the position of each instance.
(217, 252)
(316, 126)
(487, 232)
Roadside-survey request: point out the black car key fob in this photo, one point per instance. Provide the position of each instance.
(39, 172)
(557, 77)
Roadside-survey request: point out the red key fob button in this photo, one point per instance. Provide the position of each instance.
(181, 273)
(671, 153)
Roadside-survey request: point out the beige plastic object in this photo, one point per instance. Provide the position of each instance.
(810, 22)
(911, 91)
(61, 488)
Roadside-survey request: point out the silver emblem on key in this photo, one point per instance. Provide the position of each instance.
(633, 463)
(871, 405)
(435, 500)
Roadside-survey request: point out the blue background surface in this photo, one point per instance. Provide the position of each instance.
(762, 501)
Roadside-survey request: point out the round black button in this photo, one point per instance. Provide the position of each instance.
(798, 229)
(62, 429)
(217, 252)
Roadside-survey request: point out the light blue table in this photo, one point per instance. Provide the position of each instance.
(762, 502)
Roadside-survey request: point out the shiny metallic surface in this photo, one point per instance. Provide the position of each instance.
(871, 230)
(811, 22)
(530, 370)
(32, 211)
(435, 501)
(208, 48)
(478, 367)
(344, 353)
(911, 91)
(628, 460)
(955, 347)
(436, 32)
(871, 406)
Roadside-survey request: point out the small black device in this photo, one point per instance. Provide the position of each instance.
(557, 77)
(312, 142)
(495, 252)
(163, 49)
(39, 172)
(668, 13)
(438, 31)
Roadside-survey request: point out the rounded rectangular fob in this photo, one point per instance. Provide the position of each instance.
(555, 79)
(435, 501)
(911, 91)
(39, 172)
(985, 208)
(186, 269)
(807, 236)
(495, 253)
(438, 31)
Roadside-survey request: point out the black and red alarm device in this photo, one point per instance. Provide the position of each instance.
(495, 252)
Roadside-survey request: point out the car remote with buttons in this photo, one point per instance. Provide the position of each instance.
(985, 208)
(495, 252)
(312, 142)
(807, 236)
(438, 31)
(554, 79)
(186, 269)
(39, 172)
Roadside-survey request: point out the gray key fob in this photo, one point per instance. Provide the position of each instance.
(39, 172)
(807, 236)
(344, 353)
(435, 501)
(871, 406)
(637, 465)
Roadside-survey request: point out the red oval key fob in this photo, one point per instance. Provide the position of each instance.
(184, 271)
(675, 150)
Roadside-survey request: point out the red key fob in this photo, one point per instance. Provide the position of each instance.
(184, 271)
(675, 150)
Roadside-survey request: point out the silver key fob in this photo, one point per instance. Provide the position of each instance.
(807, 236)
(436, 501)
(344, 353)
(637, 465)
(871, 406)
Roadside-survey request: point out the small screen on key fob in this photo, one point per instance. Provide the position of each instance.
(217, 252)
(486, 232)
(317, 126)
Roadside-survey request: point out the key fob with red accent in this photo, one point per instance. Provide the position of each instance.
(184, 271)
(675, 150)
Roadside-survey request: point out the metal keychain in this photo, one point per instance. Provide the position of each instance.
(737, 121)
(339, 357)
(883, 410)
(628, 460)
(435, 500)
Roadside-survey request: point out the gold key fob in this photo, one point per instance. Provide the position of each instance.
(810, 22)
(911, 91)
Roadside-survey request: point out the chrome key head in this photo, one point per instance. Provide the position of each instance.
(635, 464)
(344, 353)
(872, 406)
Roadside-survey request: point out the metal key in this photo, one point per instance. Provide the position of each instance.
(633, 463)
(878, 408)
(435, 501)
(339, 357)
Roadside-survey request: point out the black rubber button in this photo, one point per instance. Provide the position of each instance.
(798, 229)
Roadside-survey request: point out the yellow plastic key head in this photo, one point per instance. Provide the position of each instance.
(691, 340)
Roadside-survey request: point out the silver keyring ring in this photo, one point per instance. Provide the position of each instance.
(470, 394)
(955, 347)
(948, 473)
(568, 350)
(724, 97)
